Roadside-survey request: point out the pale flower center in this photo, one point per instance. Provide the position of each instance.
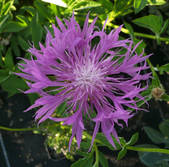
(87, 76)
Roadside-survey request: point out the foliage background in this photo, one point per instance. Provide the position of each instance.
(24, 22)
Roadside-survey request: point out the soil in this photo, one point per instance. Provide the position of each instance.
(24, 149)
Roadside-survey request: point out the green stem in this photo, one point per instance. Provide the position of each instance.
(96, 164)
(157, 150)
(124, 30)
(151, 36)
(17, 129)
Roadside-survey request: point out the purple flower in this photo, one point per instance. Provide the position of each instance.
(93, 72)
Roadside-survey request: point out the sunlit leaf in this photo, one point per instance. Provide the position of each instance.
(82, 4)
(56, 2)
(156, 2)
(139, 5)
(7, 6)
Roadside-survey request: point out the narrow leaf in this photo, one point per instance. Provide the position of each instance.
(156, 2)
(24, 45)
(133, 139)
(103, 161)
(139, 5)
(164, 128)
(122, 153)
(13, 26)
(36, 30)
(9, 59)
(4, 74)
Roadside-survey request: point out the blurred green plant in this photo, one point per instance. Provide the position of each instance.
(157, 137)
(22, 23)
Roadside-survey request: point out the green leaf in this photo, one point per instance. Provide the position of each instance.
(129, 27)
(4, 75)
(1, 59)
(164, 128)
(12, 84)
(163, 68)
(165, 26)
(141, 46)
(36, 30)
(9, 59)
(106, 4)
(122, 153)
(22, 19)
(152, 22)
(156, 2)
(165, 97)
(84, 162)
(1, 5)
(13, 26)
(103, 161)
(23, 44)
(81, 153)
(104, 142)
(139, 5)
(122, 7)
(32, 97)
(61, 108)
(154, 135)
(3, 20)
(83, 4)
(29, 9)
(153, 159)
(15, 48)
(42, 9)
(6, 8)
(133, 139)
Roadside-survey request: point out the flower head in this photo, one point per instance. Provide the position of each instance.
(93, 72)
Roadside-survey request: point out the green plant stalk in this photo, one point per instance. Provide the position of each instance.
(96, 164)
(157, 150)
(124, 30)
(17, 129)
(151, 36)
